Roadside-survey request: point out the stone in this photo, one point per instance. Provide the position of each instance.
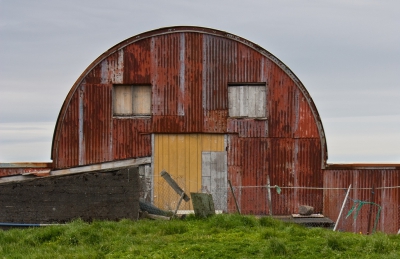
(306, 210)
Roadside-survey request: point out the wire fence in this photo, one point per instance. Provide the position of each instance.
(365, 211)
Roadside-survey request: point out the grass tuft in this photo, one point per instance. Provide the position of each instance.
(230, 221)
(277, 247)
(173, 229)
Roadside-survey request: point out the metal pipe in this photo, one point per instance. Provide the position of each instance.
(341, 210)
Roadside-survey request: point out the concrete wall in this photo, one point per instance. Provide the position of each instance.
(111, 195)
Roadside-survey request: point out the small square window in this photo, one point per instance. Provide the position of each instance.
(132, 100)
(247, 100)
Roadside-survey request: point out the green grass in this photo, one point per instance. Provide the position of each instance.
(221, 236)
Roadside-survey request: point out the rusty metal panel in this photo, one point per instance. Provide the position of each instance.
(248, 127)
(87, 128)
(249, 67)
(219, 61)
(130, 138)
(112, 68)
(68, 144)
(177, 84)
(379, 186)
(137, 63)
(215, 121)
(280, 104)
(9, 169)
(291, 164)
(247, 167)
(165, 69)
(303, 124)
(307, 175)
(97, 118)
(191, 94)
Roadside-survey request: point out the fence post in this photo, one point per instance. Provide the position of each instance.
(341, 210)
(370, 210)
(234, 197)
(269, 196)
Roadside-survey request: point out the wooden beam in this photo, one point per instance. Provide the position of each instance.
(103, 166)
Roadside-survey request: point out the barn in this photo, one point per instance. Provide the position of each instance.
(212, 109)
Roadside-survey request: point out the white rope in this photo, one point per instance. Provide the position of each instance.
(317, 188)
(302, 187)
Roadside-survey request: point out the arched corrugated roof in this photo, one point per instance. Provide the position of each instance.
(209, 31)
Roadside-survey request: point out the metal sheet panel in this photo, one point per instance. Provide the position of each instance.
(165, 68)
(9, 169)
(112, 68)
(177, 83)
(386, 193)
(137, 63)
(303, 121)
(291, 164)
(130, 138)
(69, 141)
(97, 124)
(214, 177)
(248, 127)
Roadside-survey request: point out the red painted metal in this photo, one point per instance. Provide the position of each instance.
(290, 164)
(189, 69)
(386, 183)
(10, 169)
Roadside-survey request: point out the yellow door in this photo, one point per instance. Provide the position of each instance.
(181, 156)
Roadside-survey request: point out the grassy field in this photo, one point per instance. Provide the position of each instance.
(221, 236)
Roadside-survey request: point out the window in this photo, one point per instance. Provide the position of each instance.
(247, 100)
(132, 100)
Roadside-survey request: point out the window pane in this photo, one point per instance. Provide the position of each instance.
(233, 100)
(256, 99)
(142, 100)
(243, 101)
(122, 99)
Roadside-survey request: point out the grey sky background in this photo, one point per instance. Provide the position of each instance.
(346, 53)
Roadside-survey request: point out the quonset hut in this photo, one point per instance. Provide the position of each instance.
(208, 107)
(205, 106)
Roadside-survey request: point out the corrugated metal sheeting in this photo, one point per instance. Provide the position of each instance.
(190, 70)
(289, 163)
(371, 186)
(10, 169)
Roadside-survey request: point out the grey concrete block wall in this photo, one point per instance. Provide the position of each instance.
(111, 195)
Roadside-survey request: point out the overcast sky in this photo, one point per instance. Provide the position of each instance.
(346, 53)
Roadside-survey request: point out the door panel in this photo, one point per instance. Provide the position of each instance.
(214, 177)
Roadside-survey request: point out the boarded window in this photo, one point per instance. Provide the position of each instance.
(247, 101)
(132, 100)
